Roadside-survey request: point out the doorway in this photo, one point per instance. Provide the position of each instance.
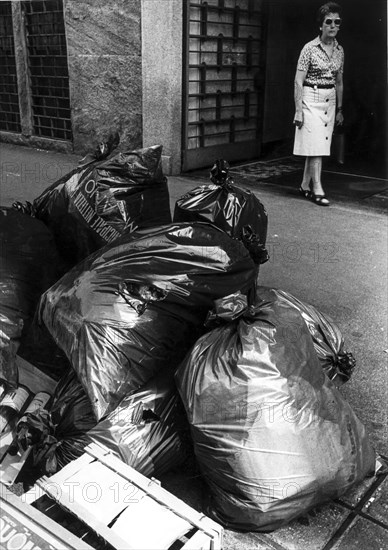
(223, 77)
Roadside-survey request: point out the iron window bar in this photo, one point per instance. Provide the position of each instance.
(223, 107)
(225, 9)
(214, 38)
(225, 66)
(9, 101)
(237, 133)
(218, 134)
(47, 61)
(202, 22)
(53, 96)
(220, 81)
(210, 95)
(214, 52)
(220, 121)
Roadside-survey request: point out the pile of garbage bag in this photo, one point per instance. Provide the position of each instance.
(138, 304)
(166, 346)
(25, 273)
(272, 435)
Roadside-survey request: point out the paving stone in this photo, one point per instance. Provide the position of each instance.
(377, 505)
(354, 495)
(247, 541)
(314, 534)
(363, 534)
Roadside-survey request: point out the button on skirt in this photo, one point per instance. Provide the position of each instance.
(314, 138)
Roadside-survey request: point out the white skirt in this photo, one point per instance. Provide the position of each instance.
(314, 138)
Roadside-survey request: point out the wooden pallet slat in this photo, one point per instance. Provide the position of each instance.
(85, 515)
(211, 528)
(150, 516)
(25, 523)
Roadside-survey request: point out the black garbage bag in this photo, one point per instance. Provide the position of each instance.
(272, 435)
(60, 435)
(236, 211)
(336, 361)
(28, 266)
(138, 304)
(39, 348)
(148, 430)
(107, 195)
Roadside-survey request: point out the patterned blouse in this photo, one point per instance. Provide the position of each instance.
(320, 68)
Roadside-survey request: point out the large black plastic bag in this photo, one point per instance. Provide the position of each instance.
(63, 429)
(38, 348)
(237, 211)
(28, 266)
(148, 430)
(272, 435)
(101, 199)
(137, 305)
(328, 340)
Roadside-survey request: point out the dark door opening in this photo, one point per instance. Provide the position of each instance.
(363, 35)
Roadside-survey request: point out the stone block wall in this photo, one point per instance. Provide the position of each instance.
(105, 71)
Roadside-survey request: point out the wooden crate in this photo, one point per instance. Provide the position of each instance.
(22, 526)
(125, 509)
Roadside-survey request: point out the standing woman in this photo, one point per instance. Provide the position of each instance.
(318, 100)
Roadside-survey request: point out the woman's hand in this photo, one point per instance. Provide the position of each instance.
(339, 119)
(298, 119)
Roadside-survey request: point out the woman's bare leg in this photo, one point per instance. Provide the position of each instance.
(306, 175)
(316, 172)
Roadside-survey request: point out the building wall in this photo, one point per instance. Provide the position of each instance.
(162, 66)
(105, 71)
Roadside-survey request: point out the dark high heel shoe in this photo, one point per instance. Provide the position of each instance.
(306, 193)
(320, 200)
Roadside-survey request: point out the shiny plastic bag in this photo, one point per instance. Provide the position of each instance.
(63, 429)
(272, 435)
(38, 348)
(28, 266)
(106, 196)
(148, 430)
(329, 343)
(137, 305)
(236, 211)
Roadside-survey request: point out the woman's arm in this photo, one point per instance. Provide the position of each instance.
(340, 90)
(298, 91)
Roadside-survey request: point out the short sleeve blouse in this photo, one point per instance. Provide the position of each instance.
(320, 68)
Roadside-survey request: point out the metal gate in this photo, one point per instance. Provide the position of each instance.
(224, 68)
(47, 63)
(9, 100)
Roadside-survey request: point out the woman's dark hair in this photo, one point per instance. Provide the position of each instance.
(329, 7)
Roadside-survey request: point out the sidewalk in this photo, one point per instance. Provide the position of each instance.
(334, 258)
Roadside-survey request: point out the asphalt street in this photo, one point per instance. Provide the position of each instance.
(334, 258)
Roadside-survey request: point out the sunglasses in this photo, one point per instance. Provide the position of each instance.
(337, 22)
